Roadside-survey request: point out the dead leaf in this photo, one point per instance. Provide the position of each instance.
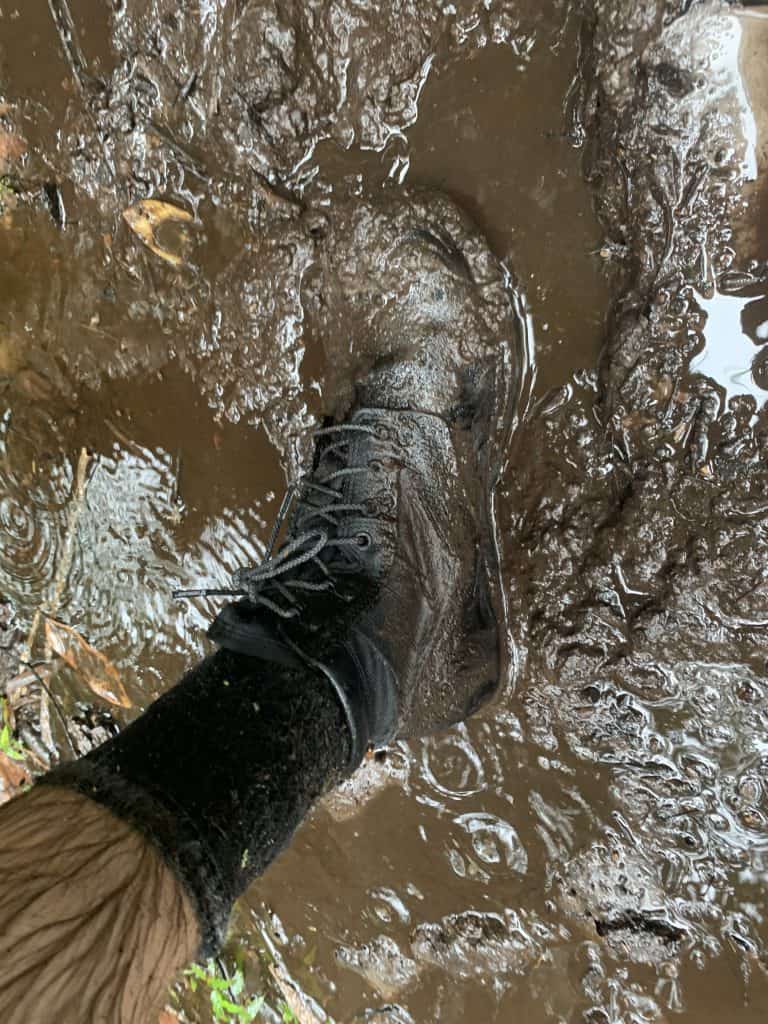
(91, 665)
(10, 357)
(12, 148)
(13, 778)
(145, 217)
(26, 678)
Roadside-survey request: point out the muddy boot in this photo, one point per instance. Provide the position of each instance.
(388, 579)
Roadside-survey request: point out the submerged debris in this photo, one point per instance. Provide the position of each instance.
(14, 778)
(12, 149)
(93, 667)
(146, 218)
(14, 773)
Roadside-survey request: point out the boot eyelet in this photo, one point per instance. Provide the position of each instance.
(364, 540)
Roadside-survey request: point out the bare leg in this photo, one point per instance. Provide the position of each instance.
(92, 923)
(99, 909)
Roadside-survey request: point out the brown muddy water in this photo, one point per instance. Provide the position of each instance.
(595, 848)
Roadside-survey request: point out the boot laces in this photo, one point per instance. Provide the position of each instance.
(279, 574)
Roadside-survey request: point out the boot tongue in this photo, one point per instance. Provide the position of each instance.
(240, 627)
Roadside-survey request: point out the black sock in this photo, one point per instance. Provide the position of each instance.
(219, 773)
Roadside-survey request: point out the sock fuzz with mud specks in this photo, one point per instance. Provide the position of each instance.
(219, 773)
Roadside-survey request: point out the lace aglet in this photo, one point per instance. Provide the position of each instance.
(188, 595)
(282, 513)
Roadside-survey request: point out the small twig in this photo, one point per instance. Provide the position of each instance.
(183, 155)
(65, 27)
(57, 706)
(32, 748)
(101, 332)
(44, 716)
(272, 198)
(225, 975)
(294, 998)
(50, 608)
(187, 87)
(124, 440)
(176, 489)
(27, 648)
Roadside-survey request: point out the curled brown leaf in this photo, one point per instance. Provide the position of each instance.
(93, 667)
(13, 778)
(147, 216)
(12, 149)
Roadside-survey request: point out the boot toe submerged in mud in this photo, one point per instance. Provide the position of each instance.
(388, 579)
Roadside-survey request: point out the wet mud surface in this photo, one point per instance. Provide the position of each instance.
(593, 848)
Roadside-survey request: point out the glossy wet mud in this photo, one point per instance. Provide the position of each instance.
(595, 848)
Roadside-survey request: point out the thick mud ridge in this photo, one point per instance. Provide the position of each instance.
(594, 848)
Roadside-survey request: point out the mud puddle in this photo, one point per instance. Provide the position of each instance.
(595, 849)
